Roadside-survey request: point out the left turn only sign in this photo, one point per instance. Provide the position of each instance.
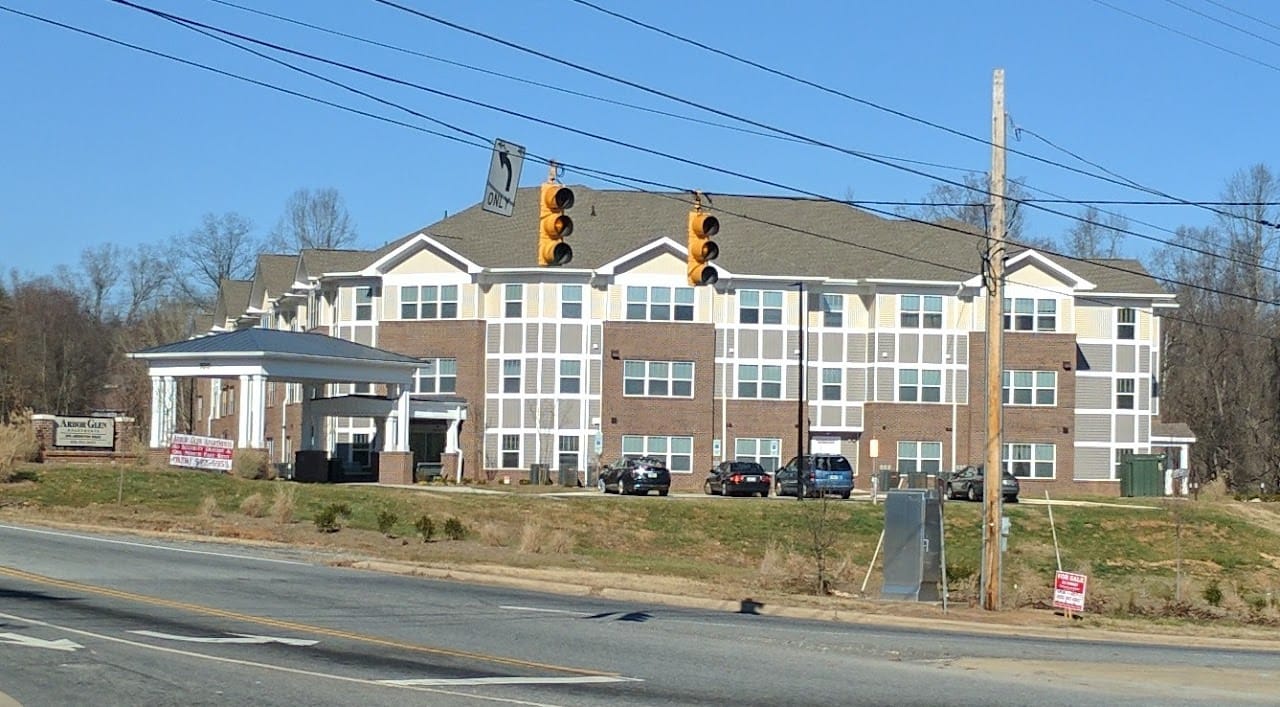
(504, 178)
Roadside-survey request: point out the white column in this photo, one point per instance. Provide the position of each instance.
(258, 430)
(169, 406)
(310, 427)
(402, 412)
(156, 413)
(244, 413)
(451, 435)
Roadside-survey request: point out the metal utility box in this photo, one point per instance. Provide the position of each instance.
(912, 545)
(1142, 475)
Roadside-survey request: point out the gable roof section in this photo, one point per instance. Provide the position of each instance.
(386, 258)
(317, 262)
(269, 342)
(272, 278)
(233, 300)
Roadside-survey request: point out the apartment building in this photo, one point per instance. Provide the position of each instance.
(615, 354)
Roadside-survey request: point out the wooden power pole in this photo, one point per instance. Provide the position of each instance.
(994, 472)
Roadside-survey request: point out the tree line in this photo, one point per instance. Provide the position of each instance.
(64, 336)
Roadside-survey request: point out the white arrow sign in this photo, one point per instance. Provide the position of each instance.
(241, 638)
(61, 644)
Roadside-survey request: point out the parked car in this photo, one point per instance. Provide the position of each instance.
(735, 478)
(969, 481)
(636, 475)
(815, 475)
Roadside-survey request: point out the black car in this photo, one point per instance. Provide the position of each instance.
(968, 483)
(638, 475)
(735, 478)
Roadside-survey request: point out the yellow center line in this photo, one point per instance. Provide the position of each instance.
(291, 625)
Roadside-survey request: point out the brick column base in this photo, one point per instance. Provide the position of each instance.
(395, 468)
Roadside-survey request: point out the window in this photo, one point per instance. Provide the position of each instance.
(1030, 388)
(511, 376)
(1025, 314)
(571, 301)
(833, 311)
(919, 456)
(831, 379)
(763, 451)
(570, 376)
(513, 301)
(429, 302)
(763, 382)
(919, 385)
(760, 307)
(658, 379)
(677, 452)
(436, 375)
(660, 304)
(1126, 323)
(568, 456)
(920, 311)
(510, 451)
(1030, 461)
(1124, 394)
(364, 304)
(360, 448)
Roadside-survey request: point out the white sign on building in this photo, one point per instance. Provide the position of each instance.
(201, 452)
(97, 432)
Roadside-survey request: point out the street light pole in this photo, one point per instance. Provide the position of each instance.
(801, 413)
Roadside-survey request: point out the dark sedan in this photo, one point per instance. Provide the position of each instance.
(638, 475)
(735, 478)
(969, 483)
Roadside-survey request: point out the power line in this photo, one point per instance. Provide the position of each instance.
(610, 176)
(1245, 15)
(639, 148)
(1222, 22)
(1190, 36)
(826, 89)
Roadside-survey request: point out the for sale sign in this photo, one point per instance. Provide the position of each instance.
(201, 452)
(1068, 591)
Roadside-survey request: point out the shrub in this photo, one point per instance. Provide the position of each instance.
(17, 444)
(493, 533)
(208, 507)
(24, 475)
(327, 518)
(252, 464)
(454, 529)
(387, 521)
(283, 504)
(1213, 593)
(254, 506)
(426, 527)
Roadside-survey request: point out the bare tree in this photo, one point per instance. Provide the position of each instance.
(222, 247)
(100, 267)
(147, 275)
(316, 219)
(970, 205)
(1096, 235)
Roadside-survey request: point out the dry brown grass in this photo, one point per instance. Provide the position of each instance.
(17, 443)
(254, 506)
(284, 503)
(538, 539)
(209, 508)
(493, 533)
(252, 464)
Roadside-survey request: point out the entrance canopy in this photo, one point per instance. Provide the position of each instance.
(257, 355)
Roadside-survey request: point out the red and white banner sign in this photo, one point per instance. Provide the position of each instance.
(201, 452)
(1068, 591)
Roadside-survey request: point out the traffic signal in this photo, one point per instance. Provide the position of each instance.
(554, 224)
(702, 250)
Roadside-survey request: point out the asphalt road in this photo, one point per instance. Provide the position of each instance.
(124, 620)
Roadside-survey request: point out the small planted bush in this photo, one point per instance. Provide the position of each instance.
(425, 527)
(387, 521)
(454, 529)
(327, 519)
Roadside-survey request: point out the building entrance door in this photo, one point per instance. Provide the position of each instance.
(427, 441)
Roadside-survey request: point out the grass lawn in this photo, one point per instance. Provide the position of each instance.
(1181, 560)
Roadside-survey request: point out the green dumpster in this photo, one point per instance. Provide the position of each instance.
(1142, 475)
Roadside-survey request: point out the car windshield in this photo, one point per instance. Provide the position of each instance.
(745, 468)
(651, 462)
(837, 463)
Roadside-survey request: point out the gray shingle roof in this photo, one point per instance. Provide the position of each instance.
(295, 343)
(233, 300)
(272, 278)
(1114, 275)
(319, 261)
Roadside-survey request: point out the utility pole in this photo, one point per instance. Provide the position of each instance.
(993, 473)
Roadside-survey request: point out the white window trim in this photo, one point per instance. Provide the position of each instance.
(1007, 389)
(671, 379)
(760, 380)
(667, 455)
(1007, 460)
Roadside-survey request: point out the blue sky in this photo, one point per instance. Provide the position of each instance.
(104, 144)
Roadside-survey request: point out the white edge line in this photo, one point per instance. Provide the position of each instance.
(567, 680)
(264, 666)
(155, 547)
(542, 611)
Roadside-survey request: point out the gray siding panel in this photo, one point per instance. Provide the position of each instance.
(547, 379)
(1144, 359)
(885, 347)
(1126, 429)
(549, 337)
(884, 384)
(962, 388)
(493, 338)
(593, 412)
(1144, 430)
(773, 346)
(529, 369)
(571, 339)
(1097, 357)
(1126, 358)
(528, 449)
(511, 338)
(748, 344)
(857, 348)
(932, 348)
(1144, 393)
(1093, 428)
(492, 376)
(597, 333)
(1093, 393)
(793, 345)
(829, 416)
(832, 348)
(1092, 464)
(853, 416)
(962, 349)
(531, 338)
(793, 381)
(492, 457)
(511, 414)
(720, 343)
(570, 417)
(491, 413)
(908, 348)
(596, 367)
(855, 388)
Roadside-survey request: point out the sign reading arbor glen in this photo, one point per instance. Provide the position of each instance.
(84, 432)
(201, 452)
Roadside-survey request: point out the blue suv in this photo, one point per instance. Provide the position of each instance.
(815, 475)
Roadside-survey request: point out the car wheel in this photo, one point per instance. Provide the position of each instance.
(846, 495)
(972, 493)
(663, 492)
(706, 487)
(600, 484)
(1011, 499)
(724, 490)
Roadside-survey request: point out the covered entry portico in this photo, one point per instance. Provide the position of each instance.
(255, 357)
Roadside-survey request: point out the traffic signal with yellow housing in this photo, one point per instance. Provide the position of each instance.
(702, 250)
(554, 224)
